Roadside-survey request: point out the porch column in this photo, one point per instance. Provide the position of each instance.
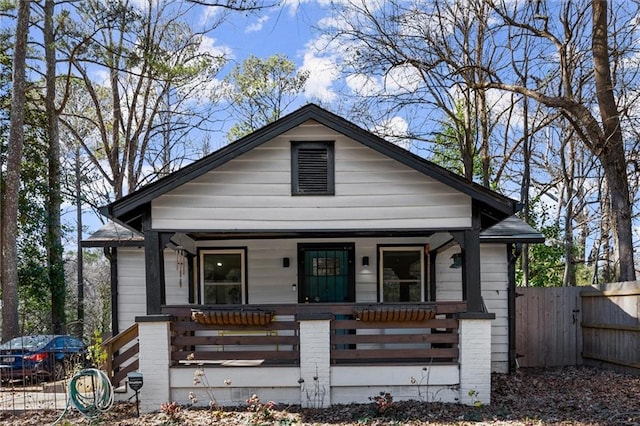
(154, 244)
(154, 360)
(475, 358)
(471, 286)
(470, 242)
(315, 360)
(112, 254)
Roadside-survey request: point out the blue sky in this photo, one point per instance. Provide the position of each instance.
(282, 29)
(290, 29)
(294, 29)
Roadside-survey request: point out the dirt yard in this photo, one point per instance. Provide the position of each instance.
(569, 396)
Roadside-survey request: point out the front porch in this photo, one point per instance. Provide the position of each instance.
(314, 355)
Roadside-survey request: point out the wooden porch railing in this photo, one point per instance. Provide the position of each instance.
(396, 333)
(235, 336)
(120, 362)
(392, 333)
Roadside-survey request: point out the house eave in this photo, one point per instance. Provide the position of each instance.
(109, 243)
(201, 235)
(528, 239)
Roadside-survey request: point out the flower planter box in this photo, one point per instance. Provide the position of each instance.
(393, 313)
(231, 317)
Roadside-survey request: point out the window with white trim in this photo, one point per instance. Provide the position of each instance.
(222, 276)
(402, 274)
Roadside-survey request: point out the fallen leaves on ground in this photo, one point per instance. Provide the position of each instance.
(560, 396)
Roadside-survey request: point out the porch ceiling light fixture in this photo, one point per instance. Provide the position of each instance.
(365, 265)
(457, 261)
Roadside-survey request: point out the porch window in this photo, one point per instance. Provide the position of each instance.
(222, 276)
(402, 274)
(312, 168)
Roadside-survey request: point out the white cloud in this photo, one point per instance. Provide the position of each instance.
(211, 16)
(399, 80)
(204, 88)
(333, 24)
(256, 26)
(142, 5)
(363, 85)
(402, 79)
(371, 5)
(101, 76)
(322, 74)
(394, 130)
(208, 45)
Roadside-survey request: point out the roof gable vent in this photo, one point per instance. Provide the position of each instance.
(312, 168)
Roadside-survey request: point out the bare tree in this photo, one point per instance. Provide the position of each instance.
(159, 85)
(424, 64)
(147, 55)
(462, 50)
(601, 135)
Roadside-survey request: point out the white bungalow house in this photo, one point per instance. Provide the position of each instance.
(313, 262)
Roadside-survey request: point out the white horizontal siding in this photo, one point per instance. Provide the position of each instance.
(253, 191)
(132, 293)
(493, 273)
(132, 299)
(448, 280)
(176, 289)
(495, 284)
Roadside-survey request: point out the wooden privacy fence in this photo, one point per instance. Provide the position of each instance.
(579, 325)
(610, 327)
(548, 326)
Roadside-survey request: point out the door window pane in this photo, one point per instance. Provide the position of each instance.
(326, 266)
(222, 277)
(402, 275)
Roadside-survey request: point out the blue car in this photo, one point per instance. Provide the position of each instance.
(41, 357)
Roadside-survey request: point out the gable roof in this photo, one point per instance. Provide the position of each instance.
(130, 208)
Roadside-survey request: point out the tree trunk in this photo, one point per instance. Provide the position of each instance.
(606, 231)
(526, 184)
(10, 326)
(114, 154)
(79, 256)
(481, 96)
(54, 232)
(611, 152)
(568, 176)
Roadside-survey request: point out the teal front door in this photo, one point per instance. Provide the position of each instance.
(326, 273)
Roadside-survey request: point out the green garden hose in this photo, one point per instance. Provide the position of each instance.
(90, 392)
